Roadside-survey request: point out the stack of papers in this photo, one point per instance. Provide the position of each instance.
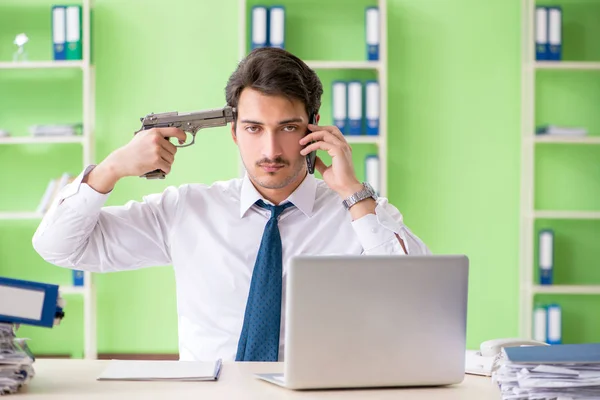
(54, 130)
(561, 130)
(16, 361)
(565, 372)
(137, 370)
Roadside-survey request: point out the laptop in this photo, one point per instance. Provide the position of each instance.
(374, 321)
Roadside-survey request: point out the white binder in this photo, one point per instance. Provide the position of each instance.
(372, 107)
(540, 317)
(541, 33)
(554, 324)
(340, 104)
(372, 172)
(59, 32)
(355, 107)
(259, 27)
(372, 33)
(277, 27)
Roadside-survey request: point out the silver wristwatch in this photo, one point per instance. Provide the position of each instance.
(365, 193)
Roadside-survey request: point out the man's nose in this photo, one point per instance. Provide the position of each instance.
(271, 146)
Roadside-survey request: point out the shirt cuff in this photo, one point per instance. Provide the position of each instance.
(81, 197)
(379, 229)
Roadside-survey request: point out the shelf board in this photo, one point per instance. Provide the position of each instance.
(567, 289)
(316, 64)
(40, 139)
(568, 65)
(20, 215)
(364, 139)
(41, 64)
(80, 290)
(567, 214)
(567, 139)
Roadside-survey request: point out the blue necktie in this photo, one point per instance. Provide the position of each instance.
(259, 340)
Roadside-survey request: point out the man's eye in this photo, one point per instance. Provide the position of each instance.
(290, 128)
(252, 129)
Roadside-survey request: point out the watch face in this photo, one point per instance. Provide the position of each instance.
(369, 188)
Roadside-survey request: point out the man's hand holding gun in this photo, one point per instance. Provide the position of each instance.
(150, 153)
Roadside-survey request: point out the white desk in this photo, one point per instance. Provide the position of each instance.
(76, 379)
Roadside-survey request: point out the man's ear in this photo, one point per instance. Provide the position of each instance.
(318, 117)
(233, 135)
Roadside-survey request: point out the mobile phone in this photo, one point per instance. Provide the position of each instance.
(312, 156)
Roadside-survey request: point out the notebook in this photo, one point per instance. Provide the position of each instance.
(137, 370)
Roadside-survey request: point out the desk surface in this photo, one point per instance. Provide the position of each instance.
(76, 379)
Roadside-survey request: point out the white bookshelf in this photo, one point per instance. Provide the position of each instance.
(567, 289)
(380, 67)
(20, 215)
(567, 139)
(41, 139)
(86, 140)
(529, 141)
(567, 65)
(549, 214)
(375, 65)
(43, 64)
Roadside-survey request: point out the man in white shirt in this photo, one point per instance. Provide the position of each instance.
(230, 295)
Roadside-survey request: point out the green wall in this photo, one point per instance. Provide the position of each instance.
(454, 147)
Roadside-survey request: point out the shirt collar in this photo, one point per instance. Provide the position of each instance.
(303, 197)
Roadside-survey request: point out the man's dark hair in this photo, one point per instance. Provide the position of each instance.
(274, 71)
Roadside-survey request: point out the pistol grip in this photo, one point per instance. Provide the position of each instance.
(156, 174)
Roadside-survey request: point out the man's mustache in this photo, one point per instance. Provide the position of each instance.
(277, 161)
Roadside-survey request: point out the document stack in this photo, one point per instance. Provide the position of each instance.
(16, 361)
(555, 130)
(23, 303)
(567, 371)
(54, 130)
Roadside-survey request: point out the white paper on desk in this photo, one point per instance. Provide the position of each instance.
(137, 370)
(476, 364)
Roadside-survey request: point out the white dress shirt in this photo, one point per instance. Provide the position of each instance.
(210, 234)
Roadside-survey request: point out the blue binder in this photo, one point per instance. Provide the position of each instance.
(277, 27)
(26, 302)
(260, 27)
(59, 32)
(372, 107)
(546, 255)
(339, 106)
(554, 33)
(541, 33)
(355, 107)
(372, 33)
(554, 324)
(78, 278)
(372, 172)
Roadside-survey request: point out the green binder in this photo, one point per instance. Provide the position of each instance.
(74, 32)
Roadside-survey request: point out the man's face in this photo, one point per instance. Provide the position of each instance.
(267, 134)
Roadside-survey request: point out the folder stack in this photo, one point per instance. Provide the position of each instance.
(66, 32)
(548, 33)
(356, 107)
(16, 361)
(568, 371)
(29, 303)
(268, 27)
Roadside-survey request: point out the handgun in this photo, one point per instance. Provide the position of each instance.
(190, 122)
